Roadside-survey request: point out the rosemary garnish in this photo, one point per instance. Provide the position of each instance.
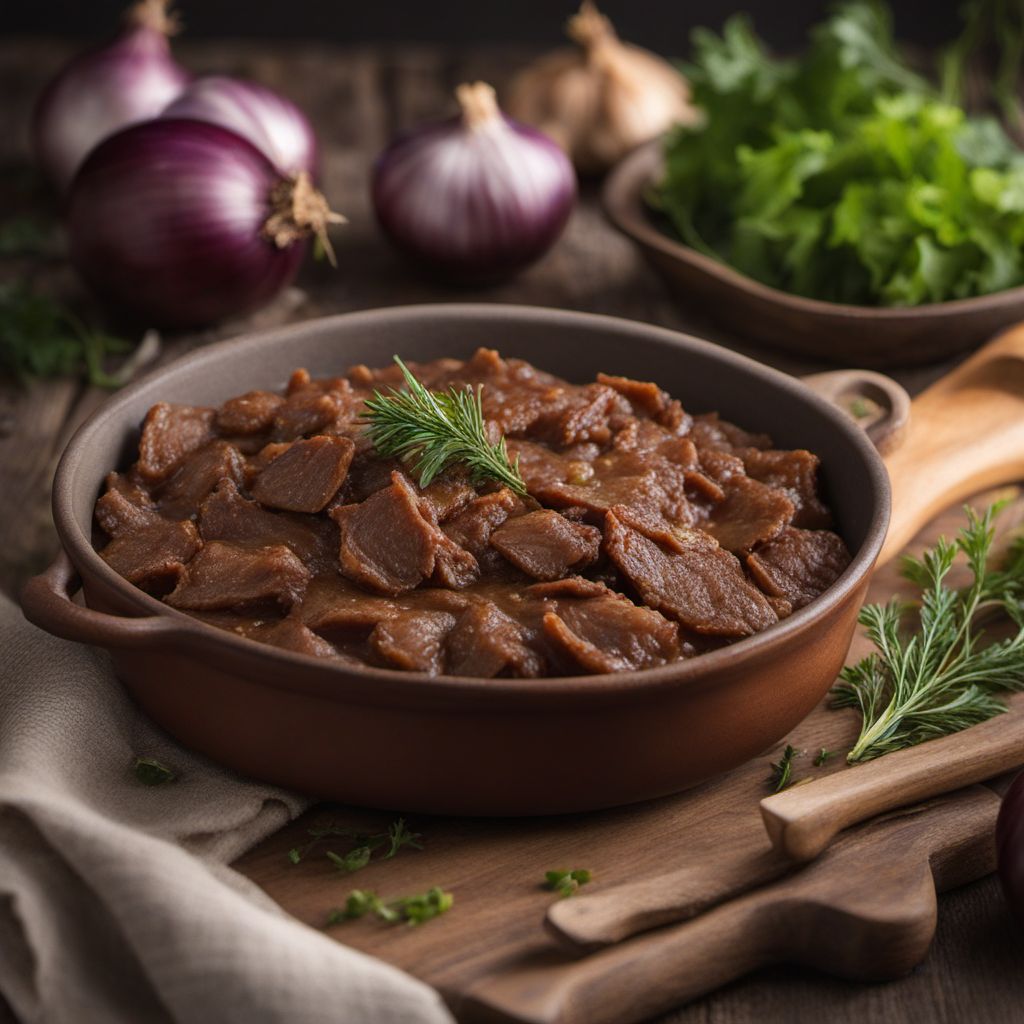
(822, 756)
(434, 430)
(782, 770)
(938, 678)
(365, 844)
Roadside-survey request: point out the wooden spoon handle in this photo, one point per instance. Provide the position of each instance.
(966, 433)
(801, 822)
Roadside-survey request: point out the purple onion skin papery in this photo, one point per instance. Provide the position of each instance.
(123, 82)
(273, 124)
(473, 204)
(165, 224)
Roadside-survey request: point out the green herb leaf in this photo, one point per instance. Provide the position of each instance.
(435, 430)
(844, 175)
(782, 770)
(822, 756)
(151, 772)
(414, 910)
(39, 337)
(356, 858)
(399, 835)
(931, 674)
(295, 855)
(565, 883)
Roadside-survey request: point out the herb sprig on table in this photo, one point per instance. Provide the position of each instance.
(934, 671)
(844, 174)
(435, 430)
(414, 910)
(397, 836)
(40, 337)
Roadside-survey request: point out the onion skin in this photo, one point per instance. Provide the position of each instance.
(128, 80)
(165, 220)
(473, 203)
(273, 124)
(1010, 847)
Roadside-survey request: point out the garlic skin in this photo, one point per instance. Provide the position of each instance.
(601, 99)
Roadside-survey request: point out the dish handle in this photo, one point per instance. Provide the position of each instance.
(46, 601)
(875, 402)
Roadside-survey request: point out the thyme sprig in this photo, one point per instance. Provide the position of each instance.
(433, 430)
(938, 677)
(397, 836)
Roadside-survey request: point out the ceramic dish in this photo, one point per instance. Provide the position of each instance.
(460, 745)
(852, 335)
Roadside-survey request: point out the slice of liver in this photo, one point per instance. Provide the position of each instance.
(306, 475)
(386, 543)
(306, 412)
(153, 556)
(687, 577)
(124, 507)
(546, 545)
(413, 640)
(196, 477)
(645, 397)
(251, 413)
(795, 472)
(225, 576)
(751, 514)
(799, 564)
(486, 642)
(611, 634)
(227, 515)
(472, 527)
(169, 433)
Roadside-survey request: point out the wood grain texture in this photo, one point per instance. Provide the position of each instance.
(356, 100)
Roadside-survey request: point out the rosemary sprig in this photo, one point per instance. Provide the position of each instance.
(782, 770)
(434, 430)
(938, 678)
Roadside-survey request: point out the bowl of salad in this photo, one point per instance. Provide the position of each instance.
(837, 204)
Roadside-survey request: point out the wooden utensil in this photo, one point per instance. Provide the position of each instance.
(865, 911)
(966, 433)
(802, 821)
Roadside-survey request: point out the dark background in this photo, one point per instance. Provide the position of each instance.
(662, 26)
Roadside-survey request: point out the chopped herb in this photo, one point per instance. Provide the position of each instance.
(860, 408)
(39, 337)
(434, 430)
(565, 883)
(414, 910)
(365, 844)
(782, 770)
(151, 772)
(931, 674)
(822, 756)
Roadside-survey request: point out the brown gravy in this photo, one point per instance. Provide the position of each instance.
(649, 535)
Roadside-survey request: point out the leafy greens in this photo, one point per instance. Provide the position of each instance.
(843, 175)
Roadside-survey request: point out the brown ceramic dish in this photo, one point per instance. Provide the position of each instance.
(852, 335)
(456, 745)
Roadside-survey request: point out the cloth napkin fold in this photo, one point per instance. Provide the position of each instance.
(116, 901)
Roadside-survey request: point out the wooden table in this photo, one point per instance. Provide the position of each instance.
(357, 99)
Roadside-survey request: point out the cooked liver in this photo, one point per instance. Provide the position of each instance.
(648, 534)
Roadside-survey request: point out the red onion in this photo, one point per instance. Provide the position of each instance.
(1010, 847)
(184, 222)
(271, 123)
(477, 197)
(130, 79)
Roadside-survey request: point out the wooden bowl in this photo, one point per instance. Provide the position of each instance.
(441, 744)
(867, 336)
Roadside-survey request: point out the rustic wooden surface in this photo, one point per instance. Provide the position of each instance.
(356, 100)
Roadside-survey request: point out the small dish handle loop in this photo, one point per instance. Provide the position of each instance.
(46, 602)
(875, 402)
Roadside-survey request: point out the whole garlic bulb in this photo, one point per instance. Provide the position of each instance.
(601, 99)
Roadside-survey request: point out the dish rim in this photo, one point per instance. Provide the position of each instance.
(621, 197)
(396, 683)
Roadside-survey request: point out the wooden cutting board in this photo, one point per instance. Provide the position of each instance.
(866, 909)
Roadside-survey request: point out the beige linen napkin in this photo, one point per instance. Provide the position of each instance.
(116, 902)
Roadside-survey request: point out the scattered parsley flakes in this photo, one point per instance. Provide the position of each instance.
(151, 772)
(414, 910)
(565, 883)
